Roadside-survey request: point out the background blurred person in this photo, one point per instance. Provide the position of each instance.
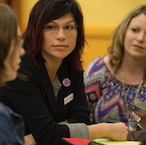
(11, 124)
(117, 79)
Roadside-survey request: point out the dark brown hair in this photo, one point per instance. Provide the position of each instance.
(45, 11)
(8, 32)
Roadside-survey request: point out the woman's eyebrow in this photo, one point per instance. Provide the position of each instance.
(71, 21)
(66, 22)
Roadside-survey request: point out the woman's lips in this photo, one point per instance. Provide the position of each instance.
(60, 47)
(137, 47)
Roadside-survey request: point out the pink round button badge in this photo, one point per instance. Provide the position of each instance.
(66, 82)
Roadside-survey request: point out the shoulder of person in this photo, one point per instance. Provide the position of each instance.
(95, 72)
(96, 65)
(10, 118)
(68, 70)
(26, 62)
(107, 60)
(5, 110)
(28, 67)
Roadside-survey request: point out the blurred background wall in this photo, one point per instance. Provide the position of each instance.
(100, 17)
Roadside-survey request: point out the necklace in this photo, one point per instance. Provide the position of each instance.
(129, 116)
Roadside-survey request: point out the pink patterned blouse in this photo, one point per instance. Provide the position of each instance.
(105, 96)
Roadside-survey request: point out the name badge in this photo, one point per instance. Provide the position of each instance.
(68, 98)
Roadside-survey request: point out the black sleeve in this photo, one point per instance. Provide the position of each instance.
(78, 108)
(25, 98)
(28, 102)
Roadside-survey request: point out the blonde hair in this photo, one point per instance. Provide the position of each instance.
(116, 48)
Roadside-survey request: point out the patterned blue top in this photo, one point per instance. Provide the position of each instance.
(106, 95)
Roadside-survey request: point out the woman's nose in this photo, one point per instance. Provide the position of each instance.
(61, 33)
(141, 37)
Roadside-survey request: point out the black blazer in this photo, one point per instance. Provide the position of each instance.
(34, 99)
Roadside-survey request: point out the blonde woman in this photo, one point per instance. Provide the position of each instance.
(115, 80)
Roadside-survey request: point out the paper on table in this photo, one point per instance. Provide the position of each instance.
(109, 142)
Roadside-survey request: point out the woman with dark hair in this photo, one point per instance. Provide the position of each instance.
(52, 100)
(11, 124)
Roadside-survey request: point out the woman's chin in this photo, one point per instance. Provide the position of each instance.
(12, 77)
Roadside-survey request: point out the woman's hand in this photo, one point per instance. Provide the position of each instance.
(29, 140)
(117, 131)
(113, 131)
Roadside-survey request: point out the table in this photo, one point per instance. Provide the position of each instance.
(109, 142)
